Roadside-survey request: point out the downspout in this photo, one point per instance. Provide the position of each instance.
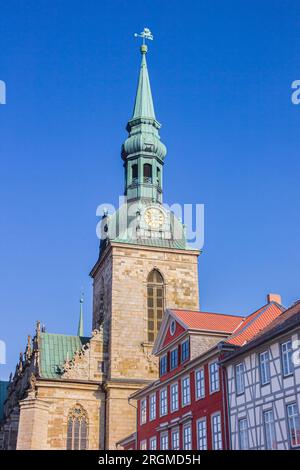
(136, 434)
(226, 408)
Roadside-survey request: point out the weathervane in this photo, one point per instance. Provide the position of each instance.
(145, 34)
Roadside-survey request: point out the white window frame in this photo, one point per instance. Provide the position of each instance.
(294, 417)
(286, 353)
(163, 435)
(143, 445)
(239, 370)
(143, 411)
(201, 437)
(173, 432)
(163, 411)
(151, 441)
(216, 437)
(202, 383)
(152, 407)
(269, 429)
(181, 356)
(243, 434)
(185, 396)
(172, 386)
(264, 367)
(187, 432)
(172, 350)
(216, 380)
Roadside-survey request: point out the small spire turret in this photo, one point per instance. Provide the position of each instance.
(80, 331)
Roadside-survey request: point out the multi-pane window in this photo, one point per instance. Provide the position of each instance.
(187, 436)
(163, 402)
(143, 417)
(186, 391)
(269, 426)
(175, 439)
(264, 367)
(164, 441)
(77, 429)
(239, 378)
(243, 434)
(152, 406)
(200, 384)
(294, 424)
(201, 434)
(163, 365)
(216, 432)
(155, 303)
(143, 445)
(152, 443)
(185, 350)
(174, 358)
(286, 358)
(214, 381)
(174, 396)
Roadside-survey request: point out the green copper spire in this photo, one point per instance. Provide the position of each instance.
(143, 106)
(80, 323)
(143, 152)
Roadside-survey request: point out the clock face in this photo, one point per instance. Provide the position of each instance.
(154, 217)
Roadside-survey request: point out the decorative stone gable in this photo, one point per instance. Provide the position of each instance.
(90, 362)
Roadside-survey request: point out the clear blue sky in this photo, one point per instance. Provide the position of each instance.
(221, 73)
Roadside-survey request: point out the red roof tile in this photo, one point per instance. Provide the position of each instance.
(207, 321)
(254, 323)
(281, 320)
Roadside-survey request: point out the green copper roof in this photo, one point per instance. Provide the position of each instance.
(55, 350)
(3, 395)
(155, 242)
(143, 106)
(122, 224)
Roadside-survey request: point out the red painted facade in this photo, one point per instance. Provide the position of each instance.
(201, 408)
(199, 420)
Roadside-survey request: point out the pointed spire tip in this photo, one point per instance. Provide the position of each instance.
(80, 323)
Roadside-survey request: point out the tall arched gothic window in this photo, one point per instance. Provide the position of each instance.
(155, 303)
(101, 302)
(77, 431)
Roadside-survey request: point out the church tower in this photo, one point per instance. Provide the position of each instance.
(144, 267)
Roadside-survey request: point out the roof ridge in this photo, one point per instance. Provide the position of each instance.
(63, 334)
(204, 311)
(263, 309)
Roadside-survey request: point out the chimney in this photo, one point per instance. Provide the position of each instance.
(274, 298)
